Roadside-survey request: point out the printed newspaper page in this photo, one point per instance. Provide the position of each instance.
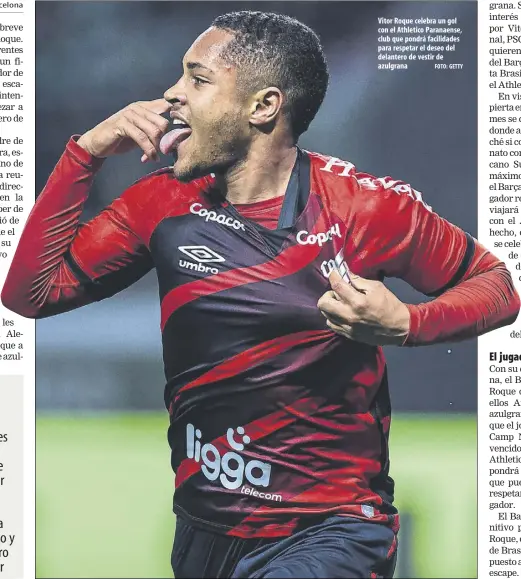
(499, 360)
(17, 346)
(257, 227)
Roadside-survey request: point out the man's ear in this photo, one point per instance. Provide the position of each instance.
(266, 104)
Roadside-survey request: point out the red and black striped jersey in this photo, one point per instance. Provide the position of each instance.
(274, 419)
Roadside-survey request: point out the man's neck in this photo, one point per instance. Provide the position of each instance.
(263, 175)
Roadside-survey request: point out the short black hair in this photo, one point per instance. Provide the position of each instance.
(279, 51)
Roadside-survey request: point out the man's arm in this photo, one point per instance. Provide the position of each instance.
(483, 300)
(405, 239)
(59, 264)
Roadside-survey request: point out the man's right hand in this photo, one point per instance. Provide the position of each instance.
(139, 124)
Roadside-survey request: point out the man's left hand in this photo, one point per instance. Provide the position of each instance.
(364, 311)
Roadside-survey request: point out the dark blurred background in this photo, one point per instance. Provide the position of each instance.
(104, 487)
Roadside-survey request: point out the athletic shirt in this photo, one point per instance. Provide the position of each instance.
(264, 213)
(275, 421)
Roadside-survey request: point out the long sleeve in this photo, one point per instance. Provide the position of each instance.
(59, 264)
(484, 299)
(474, 292)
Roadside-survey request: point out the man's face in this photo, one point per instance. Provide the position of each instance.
(206, 97)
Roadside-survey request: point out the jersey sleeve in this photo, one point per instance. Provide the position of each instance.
(484, 299)
(60, 264)
(403, 237)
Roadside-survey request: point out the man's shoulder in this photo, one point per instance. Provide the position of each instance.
(338, 182)
(334, 171)
(337, 170)
(370, 190)
(155, 197)
(163, 189)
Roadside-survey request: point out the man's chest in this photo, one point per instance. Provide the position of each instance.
(229, 287)
(213, 249)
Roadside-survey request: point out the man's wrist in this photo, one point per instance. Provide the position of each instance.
(414, 325)
(404, 323)
(83, 142)
(83, 156)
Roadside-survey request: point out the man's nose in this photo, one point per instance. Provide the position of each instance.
(174, 95)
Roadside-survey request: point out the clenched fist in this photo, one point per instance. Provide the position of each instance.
(364, 311)
(139, 124)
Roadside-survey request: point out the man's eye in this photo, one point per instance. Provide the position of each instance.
(198, 80)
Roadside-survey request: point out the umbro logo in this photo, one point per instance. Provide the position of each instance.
(201, 254)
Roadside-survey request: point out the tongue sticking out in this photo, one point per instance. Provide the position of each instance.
(171, 140)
